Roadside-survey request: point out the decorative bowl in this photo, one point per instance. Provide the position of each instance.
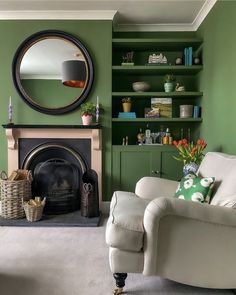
(141, 86)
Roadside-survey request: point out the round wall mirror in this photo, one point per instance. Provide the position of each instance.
(52, 72)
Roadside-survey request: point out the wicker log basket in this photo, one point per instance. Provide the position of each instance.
(34, 209)
(14, 191)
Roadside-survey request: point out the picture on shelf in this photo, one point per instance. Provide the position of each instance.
(151, 113)
(164, 104)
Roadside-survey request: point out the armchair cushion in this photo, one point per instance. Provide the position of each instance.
(223, 168)
(125, 225)
(196, 189)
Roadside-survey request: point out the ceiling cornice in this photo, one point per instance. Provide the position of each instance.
(203, 13)
(57, 14)
(207, 6)
(152, 27)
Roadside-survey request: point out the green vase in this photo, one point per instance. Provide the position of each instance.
(169, 86)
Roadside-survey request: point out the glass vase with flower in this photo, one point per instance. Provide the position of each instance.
(191, 154)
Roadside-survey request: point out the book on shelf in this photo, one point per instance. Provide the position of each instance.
(151, 113)
(188, 56)
(164, 104)
(185, 57)
(126, 115)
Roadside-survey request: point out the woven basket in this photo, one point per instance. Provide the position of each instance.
(13, 194)
(33, 213)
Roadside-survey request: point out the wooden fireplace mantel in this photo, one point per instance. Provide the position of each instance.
(13, 132)
(94, 132)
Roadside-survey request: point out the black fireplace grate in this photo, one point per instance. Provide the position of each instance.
(58, 181)
(61, 201)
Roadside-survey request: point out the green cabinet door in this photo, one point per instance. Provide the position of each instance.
(130, 163)
(170, 168)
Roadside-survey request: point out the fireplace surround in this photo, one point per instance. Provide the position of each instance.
(71, 149)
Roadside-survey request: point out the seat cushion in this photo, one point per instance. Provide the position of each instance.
(125, 224)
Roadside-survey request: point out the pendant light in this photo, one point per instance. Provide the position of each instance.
(74, 73)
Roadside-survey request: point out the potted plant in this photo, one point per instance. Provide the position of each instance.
(126, 103)
(87, 112)
(169, 82)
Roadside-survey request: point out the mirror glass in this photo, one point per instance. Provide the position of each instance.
(37, 72)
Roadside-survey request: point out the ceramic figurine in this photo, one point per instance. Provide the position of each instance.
(157, 59)
(179, 88)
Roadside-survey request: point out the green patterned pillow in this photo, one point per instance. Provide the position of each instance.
(194, 188)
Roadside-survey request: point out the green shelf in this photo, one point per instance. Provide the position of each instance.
(166, 44)
(157, 120)
(175, 94)
(150, 70)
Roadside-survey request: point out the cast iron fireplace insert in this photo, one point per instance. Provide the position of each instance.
(57, 167)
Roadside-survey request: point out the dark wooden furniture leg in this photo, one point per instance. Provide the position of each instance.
(120, 282)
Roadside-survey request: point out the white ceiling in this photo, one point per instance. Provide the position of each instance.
(128, 15)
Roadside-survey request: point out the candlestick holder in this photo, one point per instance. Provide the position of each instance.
(10, 111)
(97, 113)
(10, 123)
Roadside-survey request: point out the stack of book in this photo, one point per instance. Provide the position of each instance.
(127, 115)
(188, 56)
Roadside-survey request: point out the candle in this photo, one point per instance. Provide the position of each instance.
(97, 110)
(10, 110)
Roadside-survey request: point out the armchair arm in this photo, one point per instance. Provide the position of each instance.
(191, 243)
(153, 187)
(160, 207)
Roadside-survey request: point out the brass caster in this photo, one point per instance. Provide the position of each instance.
(117, 291)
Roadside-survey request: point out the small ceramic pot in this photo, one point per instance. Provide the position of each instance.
(87, 119)
(178, 61)
(185, 111)
(169, 87)
(126, 107)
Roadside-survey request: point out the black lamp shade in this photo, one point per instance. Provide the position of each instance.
(74, 73)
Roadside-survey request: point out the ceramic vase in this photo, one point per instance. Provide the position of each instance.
(190, 168)
(169, 87)
(87, 119)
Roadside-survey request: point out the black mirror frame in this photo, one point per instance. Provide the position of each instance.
(16, 71)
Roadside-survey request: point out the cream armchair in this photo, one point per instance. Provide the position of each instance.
(151, 232)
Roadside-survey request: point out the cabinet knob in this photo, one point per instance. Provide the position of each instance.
(155, 172)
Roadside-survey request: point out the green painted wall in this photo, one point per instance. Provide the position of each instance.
(96, 36)
(218, 78)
